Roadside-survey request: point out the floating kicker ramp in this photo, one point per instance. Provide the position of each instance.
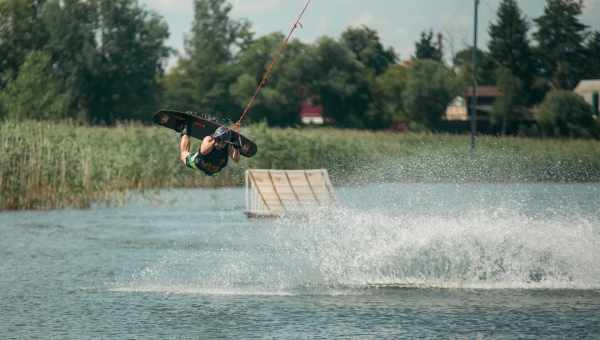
(273, 193)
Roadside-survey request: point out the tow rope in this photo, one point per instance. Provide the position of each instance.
(274, 61)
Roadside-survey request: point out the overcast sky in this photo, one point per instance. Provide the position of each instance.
(399, 22)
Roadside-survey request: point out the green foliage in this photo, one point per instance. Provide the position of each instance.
(254, 59)
(278, 102)
(566, 114)
(106, 55)
(593, 56)
(560, 37)
(426, 48)
(509, 48)
(201, 81)
(364, 42)
(21, 31)
(64, 165)
(345, 78)
(486, 67)
(214, 33)
(338, 74)
(506, 107)
(131, 52)
(103, 62)
(344, 84)
(71, 43)
(36, 92)
(389, 89)
(430, 87)
(509, 44)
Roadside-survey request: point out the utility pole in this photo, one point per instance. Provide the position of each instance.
(474, 92)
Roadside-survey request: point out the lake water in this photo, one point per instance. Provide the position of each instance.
(461, 261)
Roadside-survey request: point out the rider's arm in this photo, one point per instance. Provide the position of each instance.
(208, 144)
(184, 148)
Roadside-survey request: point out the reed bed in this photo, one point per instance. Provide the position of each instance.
(53, 165)
(357, 157)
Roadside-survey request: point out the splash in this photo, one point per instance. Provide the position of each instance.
(450, 236)
(480, 249)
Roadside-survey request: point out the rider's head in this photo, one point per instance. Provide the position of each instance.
(221, 135)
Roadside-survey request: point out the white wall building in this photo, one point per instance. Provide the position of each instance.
(590, 91)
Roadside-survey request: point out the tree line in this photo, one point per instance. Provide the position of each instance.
(102, 61)
(94, 61)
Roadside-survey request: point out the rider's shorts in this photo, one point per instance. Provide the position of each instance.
(190, 161)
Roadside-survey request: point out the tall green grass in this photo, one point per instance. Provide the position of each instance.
(49, 165)
(356, 157)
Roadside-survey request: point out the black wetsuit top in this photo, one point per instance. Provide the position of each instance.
(214, 162)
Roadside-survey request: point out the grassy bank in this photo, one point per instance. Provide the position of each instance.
(47, 165)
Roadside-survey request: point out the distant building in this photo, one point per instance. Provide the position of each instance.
(310, 113)
(590, 91)
(457, 110)
(486, 97)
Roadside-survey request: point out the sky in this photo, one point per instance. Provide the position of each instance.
(398, 22)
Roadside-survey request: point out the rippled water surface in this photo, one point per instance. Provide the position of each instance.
(390, 261)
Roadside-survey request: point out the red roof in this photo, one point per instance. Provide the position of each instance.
(308, 110)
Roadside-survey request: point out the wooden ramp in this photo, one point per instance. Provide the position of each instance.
(271, 193)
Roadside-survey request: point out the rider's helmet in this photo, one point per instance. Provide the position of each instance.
(222, 134)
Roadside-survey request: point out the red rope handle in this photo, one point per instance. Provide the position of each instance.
(269, 70)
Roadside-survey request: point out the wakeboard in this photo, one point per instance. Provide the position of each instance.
(199, 127)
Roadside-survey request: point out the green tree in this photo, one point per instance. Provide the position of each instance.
(560, 37)
(201, 80)
(509, 48)
(72, 46)
(21, 31)
(278, 102)
(389, 89)
(259, 53)
(131, 53)
(368, 49)
(430, 86)
(593, 56)
(107, 55)
(486, 68)
(564, 113)
(340, 75)
(344, 84)
(36, 93)
(506, 108)
(426, 48)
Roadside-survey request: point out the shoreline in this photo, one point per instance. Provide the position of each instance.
(48, 165)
